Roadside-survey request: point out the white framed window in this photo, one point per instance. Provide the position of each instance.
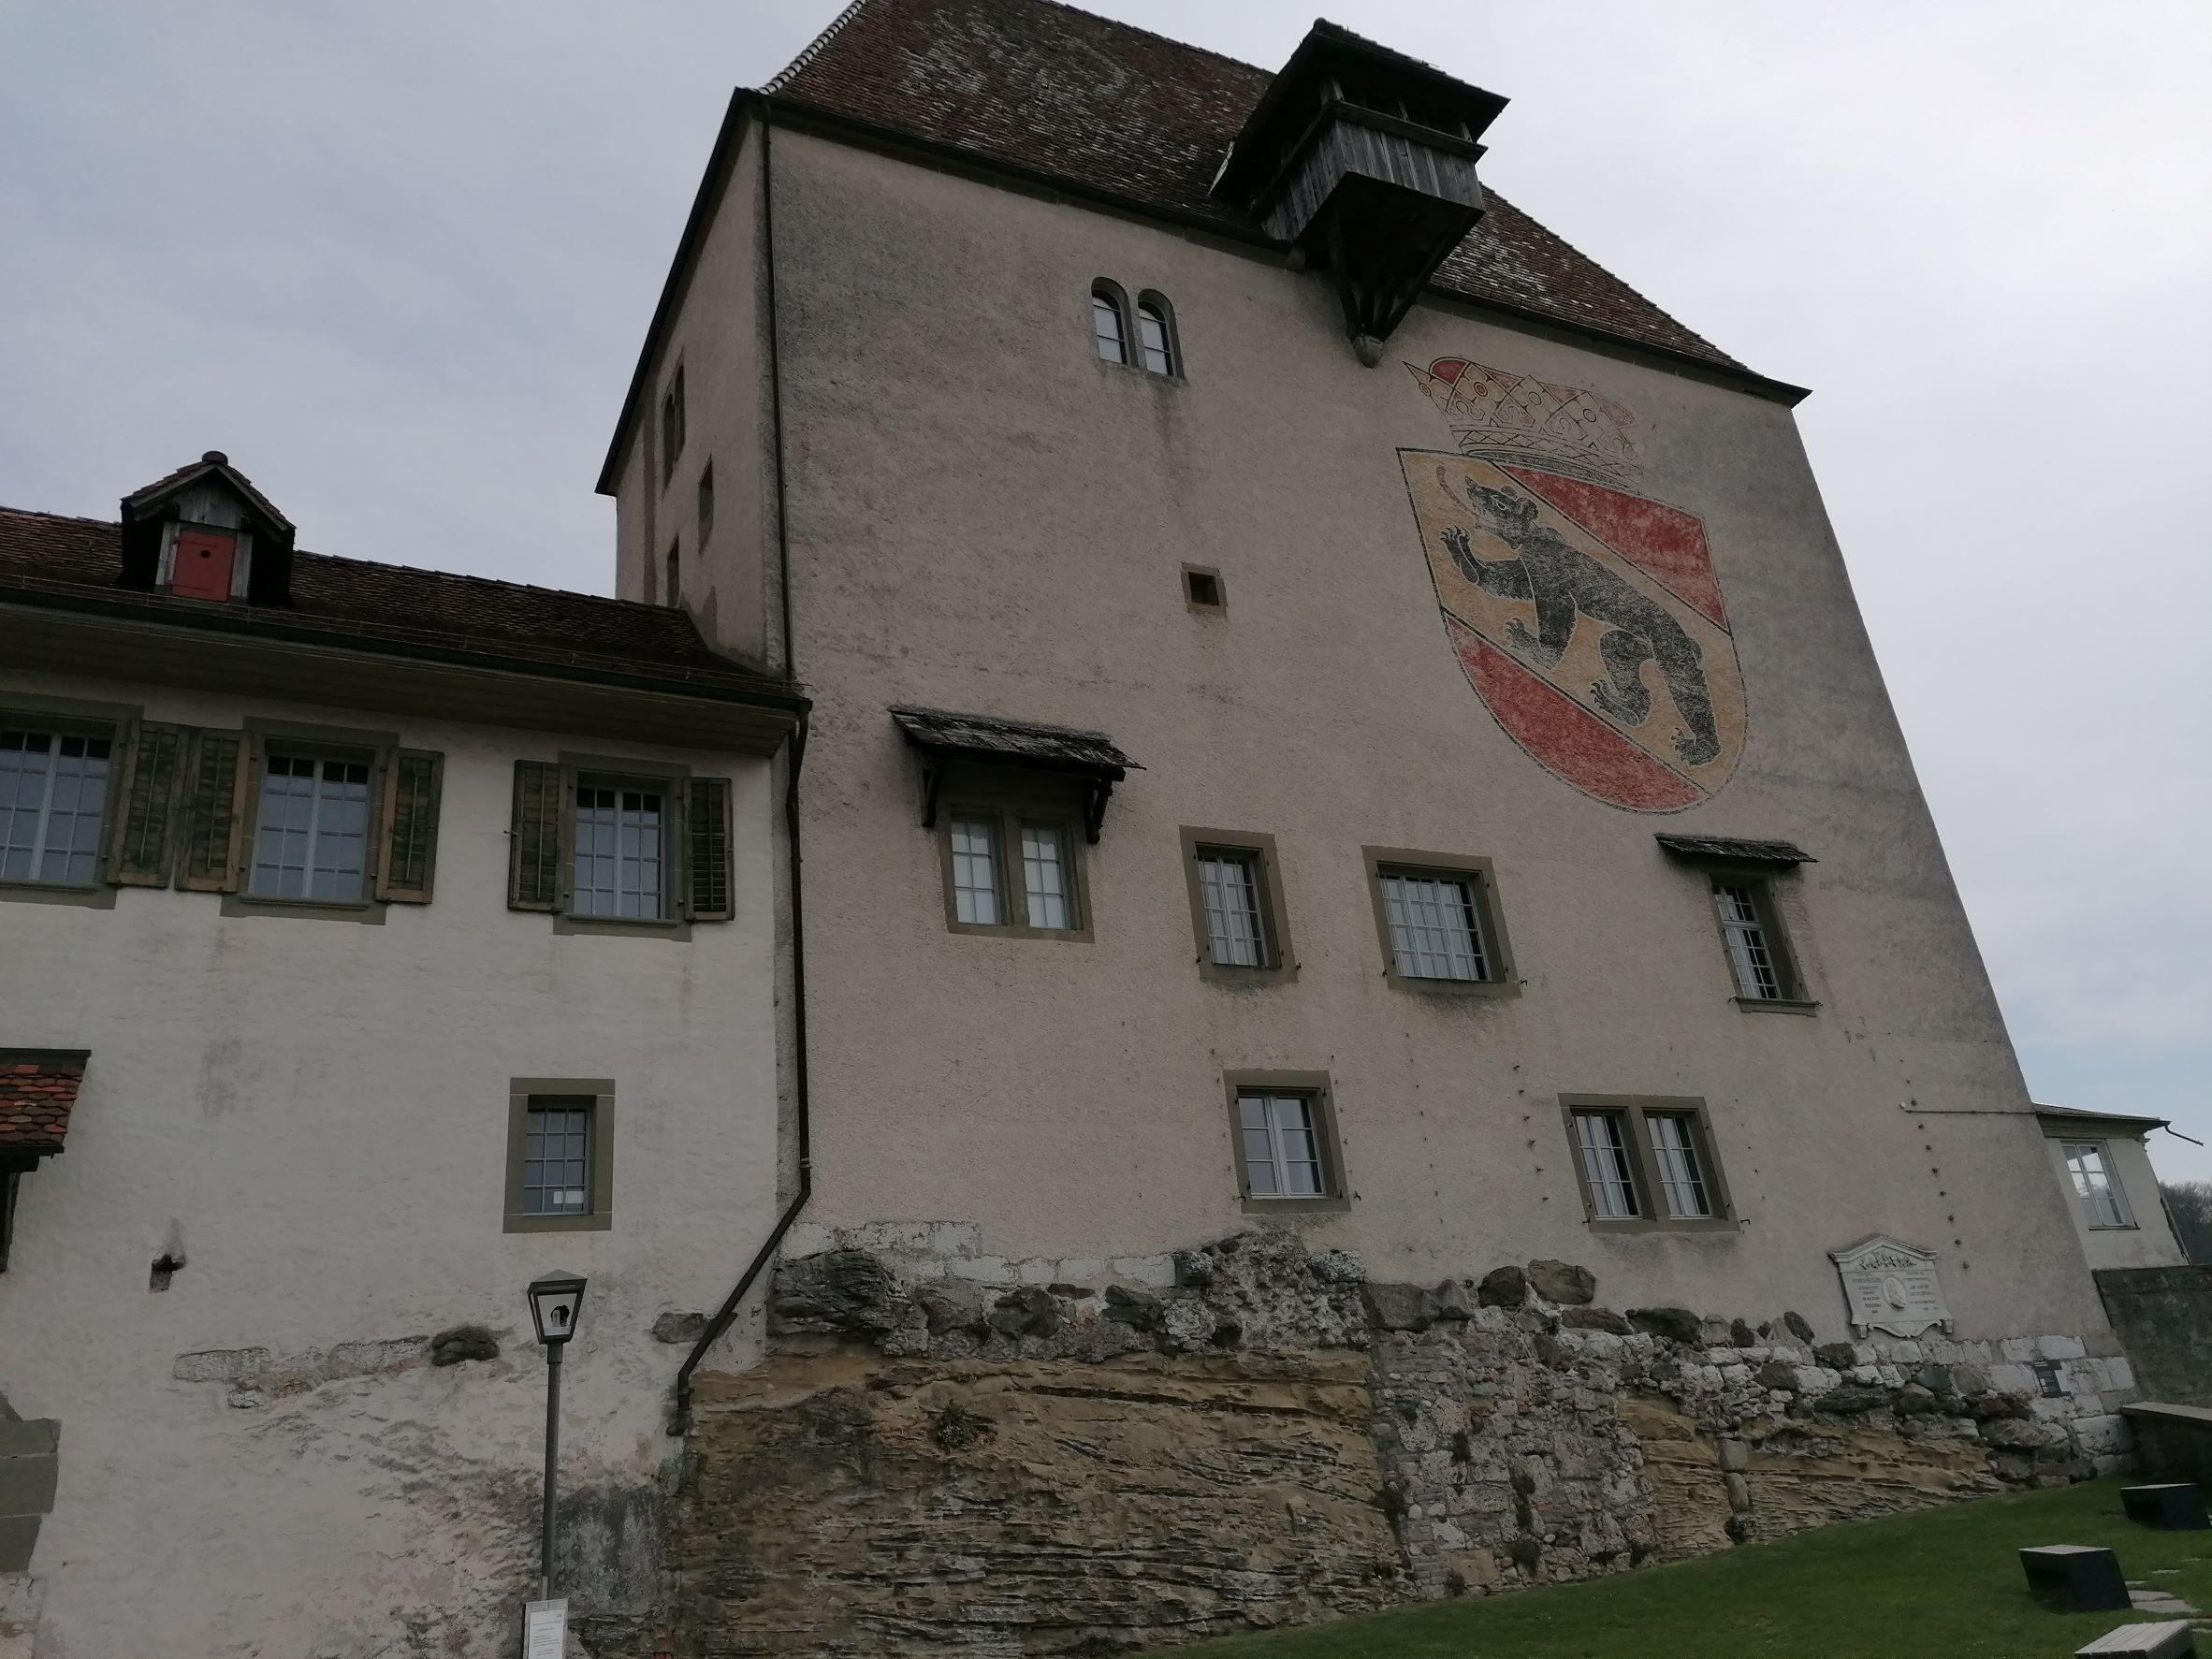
(556, 1157)
(1236, 921)
(311, 828)
(2095, 1187)
(1044, 876)
(1282, 1145)
(1681, 1172)
(1755, 957)
(1608, 1172)
(1109, 323)
(975, 870)
(1237, 917)
(54, 800)
(620, 837)
(1436, 926)
(1154, 342)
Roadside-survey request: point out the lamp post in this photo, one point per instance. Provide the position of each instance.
(555, 1299)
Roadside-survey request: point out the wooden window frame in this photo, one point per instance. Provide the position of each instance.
(1481, 875)
(1282, 968)
(378, 749)
(673, 779)
(1635, 1110)
(521, 1091)
(119, 725)
(1009, 799)
(1314, 1086)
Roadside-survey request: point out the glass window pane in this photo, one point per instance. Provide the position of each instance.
(53, 795)
(1683, 1182)
(620, 857)
(1152, 335)
(975, 871)
(1281, 1144)
(557, 1160)
(1106, 325)
(1045, 878)
(1751, 957)
(2093, 1184)
(310, 829)
(1229, 890)
(1605, 1166)
(1435, 933)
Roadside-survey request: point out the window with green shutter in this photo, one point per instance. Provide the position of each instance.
(534, 845)
(140, 854)
(408, 844)
(217, 775)
(712, 886)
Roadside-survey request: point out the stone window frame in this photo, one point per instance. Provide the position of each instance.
(521, 1091)
(1764, 882)
(1282, 969)
(1318, 1088)
(379, 750)
(1505, 979)
(115, 721)
(1010, 797)
(1634, 1110)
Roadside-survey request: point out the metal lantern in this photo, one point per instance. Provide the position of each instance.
(555, 1300)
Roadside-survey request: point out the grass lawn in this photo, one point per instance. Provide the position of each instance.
(1942, 1582)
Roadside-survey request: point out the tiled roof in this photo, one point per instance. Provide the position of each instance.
(215, 462)
(1728, 847)
(988, 737)
(359, 604)
(2148, 1123)
(38, 1088)
(1050, 90)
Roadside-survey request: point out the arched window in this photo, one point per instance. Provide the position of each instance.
(1110, 325)
(1155, 335)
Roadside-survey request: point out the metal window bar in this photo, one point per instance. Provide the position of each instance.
(1435, 932)
(621, 852)
(311, 835)
(1108, 329)
(1682, 1181)
(2099, 1194)
(975, 871)
(1152, 338)
(53, 797)
(1605, 1167)
(1044, 877)
(1282, 1152)
(1749, 955)
(1229, 889)
(557, 1160)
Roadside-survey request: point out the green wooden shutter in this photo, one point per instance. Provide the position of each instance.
(712, 888)
(214, 812)
(407, 855)
(142, 818)
(535, 844)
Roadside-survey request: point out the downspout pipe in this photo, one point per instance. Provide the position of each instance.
(680, 1420)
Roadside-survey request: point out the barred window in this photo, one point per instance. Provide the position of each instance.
(1681, 1177)
(310, 834)
(1236, 929)
(621, 851)
(2100, 1196)
(557, 1158)
(1282, 1148)
(53, 798)
(1436, 926)
(975, 871)
(1601, 1139)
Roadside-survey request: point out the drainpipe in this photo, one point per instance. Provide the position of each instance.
(680, 1422)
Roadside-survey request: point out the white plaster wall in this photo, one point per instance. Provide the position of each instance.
(985, 517)
(316, 1112)
(2150, 1242)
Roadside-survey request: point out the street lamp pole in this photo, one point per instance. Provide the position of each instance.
(554, 1301)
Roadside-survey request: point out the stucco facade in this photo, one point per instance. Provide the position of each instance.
(2130, 1226)
(290, 1166)
(983, 515)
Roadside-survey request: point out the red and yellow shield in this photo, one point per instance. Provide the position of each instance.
(1590, 622)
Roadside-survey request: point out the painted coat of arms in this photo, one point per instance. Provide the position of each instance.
(1587, 616)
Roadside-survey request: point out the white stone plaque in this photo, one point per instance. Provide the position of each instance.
(1891, 1285)
(544, 1629)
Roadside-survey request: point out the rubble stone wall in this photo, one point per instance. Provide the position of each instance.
(948, 1452)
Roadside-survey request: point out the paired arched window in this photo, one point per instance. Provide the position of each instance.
(1149, 344)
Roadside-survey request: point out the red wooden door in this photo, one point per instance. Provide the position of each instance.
(204, 558)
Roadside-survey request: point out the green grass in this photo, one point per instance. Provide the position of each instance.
(1944, 1583)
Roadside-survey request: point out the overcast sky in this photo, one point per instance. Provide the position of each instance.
(396, 260)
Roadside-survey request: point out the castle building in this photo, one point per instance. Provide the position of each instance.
(1231, 926)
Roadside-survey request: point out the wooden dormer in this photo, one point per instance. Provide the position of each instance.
(1363, 160)
(204, 532)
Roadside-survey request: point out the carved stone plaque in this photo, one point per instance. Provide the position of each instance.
(1891, 1285)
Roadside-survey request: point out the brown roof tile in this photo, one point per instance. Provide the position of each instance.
(1051, 90)
(360, 604)
(38, 1090)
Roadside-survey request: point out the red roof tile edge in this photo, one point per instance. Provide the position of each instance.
(37, 1091)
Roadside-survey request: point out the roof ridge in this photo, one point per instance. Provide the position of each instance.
(1546, 231)
(812, 50)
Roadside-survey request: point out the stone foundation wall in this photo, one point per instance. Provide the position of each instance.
(948, 1451)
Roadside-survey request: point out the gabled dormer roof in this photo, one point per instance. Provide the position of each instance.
(209, 490)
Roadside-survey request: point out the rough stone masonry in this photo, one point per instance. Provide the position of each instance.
(950, 1451)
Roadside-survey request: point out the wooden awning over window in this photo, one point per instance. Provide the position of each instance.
(943, 738)
(37, 1091)
(1727, 849)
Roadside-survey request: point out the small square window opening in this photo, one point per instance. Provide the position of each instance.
(557, 1158)
(620, 852)
(311, 833)
(1201, 589)
(53, 798)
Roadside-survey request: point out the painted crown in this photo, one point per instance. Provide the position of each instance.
(1499, 417)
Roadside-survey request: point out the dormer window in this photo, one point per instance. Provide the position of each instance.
(204, 562)
(204, 532)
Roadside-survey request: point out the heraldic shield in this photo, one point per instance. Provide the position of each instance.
(1587, 618)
